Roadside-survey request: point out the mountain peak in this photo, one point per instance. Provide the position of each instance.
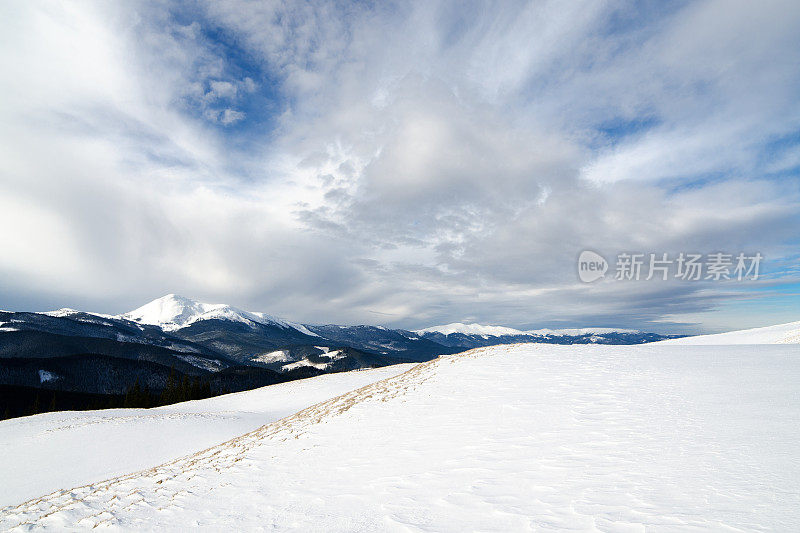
(172, 311)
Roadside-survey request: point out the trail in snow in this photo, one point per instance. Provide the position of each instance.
(525, 437)
(43, 453)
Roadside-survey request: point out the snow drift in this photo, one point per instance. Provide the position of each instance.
(780, 334)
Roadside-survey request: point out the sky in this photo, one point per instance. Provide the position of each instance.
(405, 164)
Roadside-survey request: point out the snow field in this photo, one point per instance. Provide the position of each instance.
(522, 438)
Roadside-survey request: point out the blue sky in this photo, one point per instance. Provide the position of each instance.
(407, 164)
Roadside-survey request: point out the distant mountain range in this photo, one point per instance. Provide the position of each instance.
(468, 336)
(233, 349)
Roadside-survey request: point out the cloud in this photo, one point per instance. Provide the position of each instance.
(405, 164)
(229, 116)
(221, 89)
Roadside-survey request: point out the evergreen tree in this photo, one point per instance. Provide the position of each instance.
(136, 395)
(183, 394)
(169, 392)
(37, 405)
(196, 389)
(147, 398)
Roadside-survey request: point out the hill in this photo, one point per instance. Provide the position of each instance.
(504, 438)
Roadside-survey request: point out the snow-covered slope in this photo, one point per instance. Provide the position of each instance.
(43, 453)
(508, 438)
(173, 312)
(780, 334)
(330, 356)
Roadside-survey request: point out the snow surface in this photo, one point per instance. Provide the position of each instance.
(68, 312)
(173, 312)
(3, 326)
(277, 356)
(506, 438)
(45, 376)
(780, 334)
(333, 355)
(64, 311)
(212, 365)
(43, 453)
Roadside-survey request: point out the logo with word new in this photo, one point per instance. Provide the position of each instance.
(684, 266)
(591, 266)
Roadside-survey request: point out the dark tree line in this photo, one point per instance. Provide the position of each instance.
(154, 386)
(25, 401)
(177, 390)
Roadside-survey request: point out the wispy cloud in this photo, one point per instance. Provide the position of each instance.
(429, 161)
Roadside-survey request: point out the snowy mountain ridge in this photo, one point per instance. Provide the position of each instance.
(172, 312)
(499, 331)
(470, 329)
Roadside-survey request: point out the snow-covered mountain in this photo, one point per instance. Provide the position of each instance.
(227, 347)
(499, 331)
(474, 335)
(173, 312)
(68, 332)
(470, 329)
(577, 332)
(84, 354)
(532, 437)
(215, 325)
(222, 331)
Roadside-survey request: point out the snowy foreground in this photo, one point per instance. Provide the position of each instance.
(43, 453)
(509, 438)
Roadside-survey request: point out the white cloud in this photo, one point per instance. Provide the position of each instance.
(423, 162)
(221, 89)
(229, 116)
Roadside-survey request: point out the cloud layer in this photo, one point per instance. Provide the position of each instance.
(403, 164)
